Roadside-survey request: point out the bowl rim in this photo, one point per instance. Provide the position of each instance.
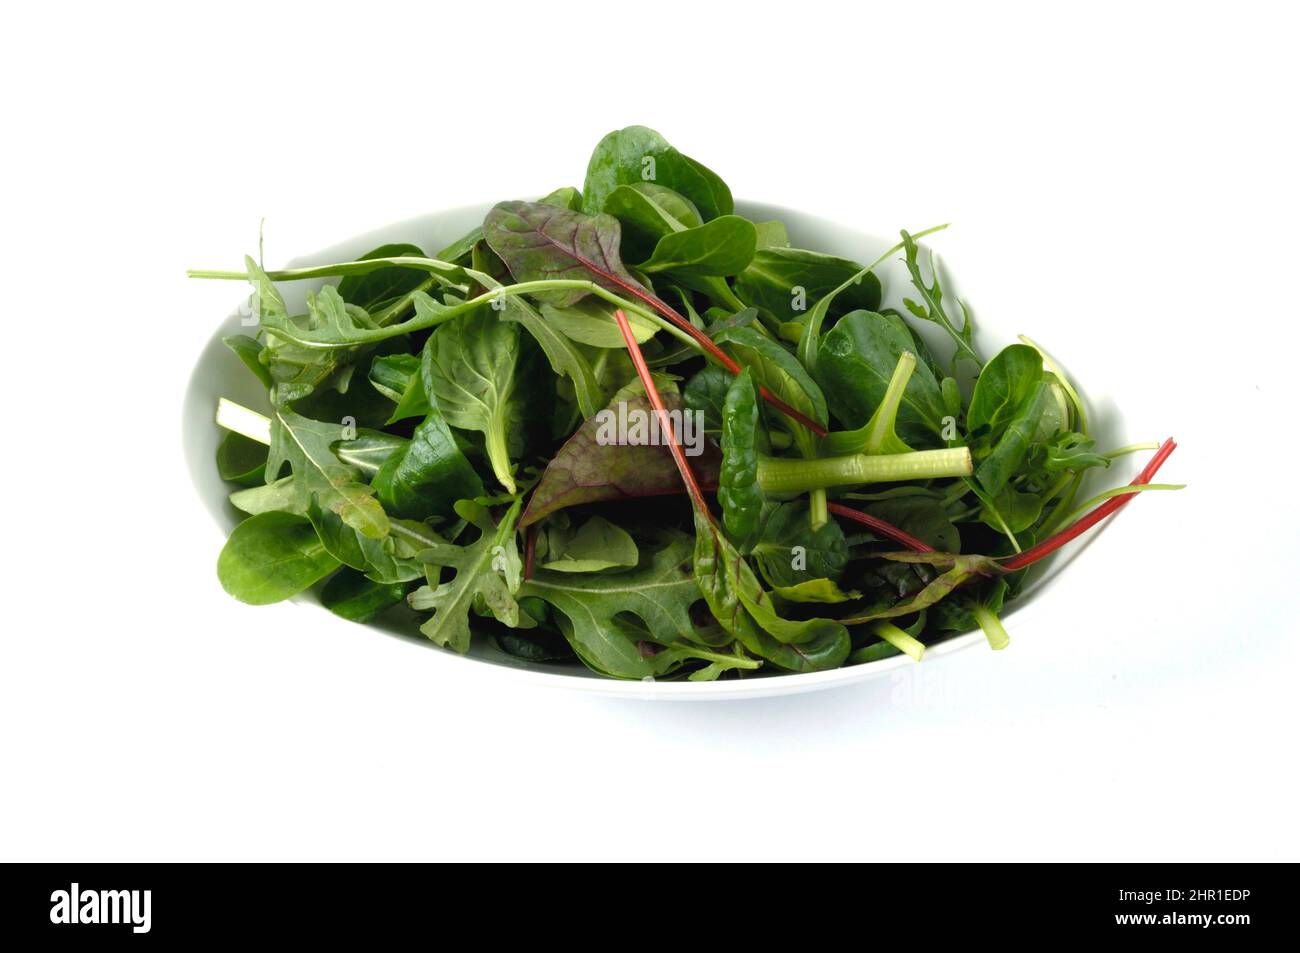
(769, 684)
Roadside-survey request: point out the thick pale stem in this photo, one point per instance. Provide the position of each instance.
(241, 420)
(882, 421)
(798, 476)
(994, 631)
(898, 639)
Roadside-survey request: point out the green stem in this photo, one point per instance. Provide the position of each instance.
(498, 455)
(817, 511)
(1119, 491)
(994, 631)
(898, 639)
(780, 475)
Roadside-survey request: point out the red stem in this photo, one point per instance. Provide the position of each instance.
(881, 527)
(704, 340)
(1084, 523)
(665, 423)
(530, 549)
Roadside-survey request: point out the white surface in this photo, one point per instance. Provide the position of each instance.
(1131, 168)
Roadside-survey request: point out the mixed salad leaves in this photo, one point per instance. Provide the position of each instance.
(628, 426)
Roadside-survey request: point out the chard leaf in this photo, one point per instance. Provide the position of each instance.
(589, 469)
(488, 573)
(272, 556)
(637, 154)
(307, 447)
(539, 242)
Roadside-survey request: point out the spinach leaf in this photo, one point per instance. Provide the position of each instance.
(739, 494)
(723, 246)
(1013, 445)
(781, 281)
(1002, 388)
(272, 556)
(249, 350)
(598, 545)
(591, 322)
(706, 393)
(375, 289)
(428, 475)
(781, 373)
(789, 552)
(240, 460)
(742, 607)
(649, 212)
(855, 363)
(354, 597)
(476, 370)
(637, 154)
(397, 377)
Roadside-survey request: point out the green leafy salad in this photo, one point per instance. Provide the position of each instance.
(629, 427)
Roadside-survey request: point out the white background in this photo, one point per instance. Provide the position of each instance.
(1129, 168)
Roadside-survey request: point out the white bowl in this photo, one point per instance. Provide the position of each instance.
(218, 373)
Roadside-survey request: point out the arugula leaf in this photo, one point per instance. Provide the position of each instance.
(307, 447)
(931, 306)
(659, 593)
(488, 573)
